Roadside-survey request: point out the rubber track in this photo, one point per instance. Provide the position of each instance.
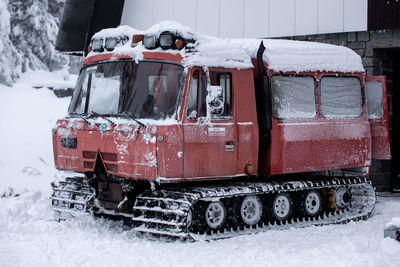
(164, 214)
(71, 197)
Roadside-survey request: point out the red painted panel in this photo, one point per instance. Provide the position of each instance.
(319, 145)
(246, 119)
(146, 55)
(170, 151)
(205, 152)
(127, 150)
(380, 126)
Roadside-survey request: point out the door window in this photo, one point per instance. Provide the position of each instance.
(373, 92)
(199, 90)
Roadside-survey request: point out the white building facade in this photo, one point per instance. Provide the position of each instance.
(251, 18)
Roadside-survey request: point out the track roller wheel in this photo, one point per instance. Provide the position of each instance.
(312, 203)
(282, 206)
(342, 197)
(215, 215)
(251, 210)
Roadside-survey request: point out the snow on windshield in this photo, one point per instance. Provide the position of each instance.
(104, 94)
(148, 90)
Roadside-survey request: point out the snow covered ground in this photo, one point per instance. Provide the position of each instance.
(30, 237)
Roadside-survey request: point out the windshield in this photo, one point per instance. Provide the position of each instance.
(145, 90)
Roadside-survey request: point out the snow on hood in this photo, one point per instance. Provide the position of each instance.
(280, 55)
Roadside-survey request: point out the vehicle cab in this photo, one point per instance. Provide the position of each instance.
(140, 111)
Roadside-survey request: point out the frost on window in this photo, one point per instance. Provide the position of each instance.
(104, 94)
(293, 97)
(373, 91)
(341, 97)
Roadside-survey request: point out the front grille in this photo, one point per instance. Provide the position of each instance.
(112, 167)
(109, 156)
(89, 154)
(109, 159)
(88, 164)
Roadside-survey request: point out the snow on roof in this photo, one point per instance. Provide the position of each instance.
(288, 55)
(123, 30)
(280, 55)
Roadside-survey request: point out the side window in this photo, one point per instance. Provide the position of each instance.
(223, 79)
(197, 102)
(341, 97)
(293, 97)
(203, 95)
(192, 102)
(78, 102)
(373, 92)
(80, 108)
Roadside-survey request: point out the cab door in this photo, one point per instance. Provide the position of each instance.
(210, 138)
(376, 95)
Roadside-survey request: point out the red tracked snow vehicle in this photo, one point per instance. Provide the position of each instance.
(194, 137)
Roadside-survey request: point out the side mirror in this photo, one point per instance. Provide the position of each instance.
(215, 101)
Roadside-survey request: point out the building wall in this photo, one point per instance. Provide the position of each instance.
(251, 18)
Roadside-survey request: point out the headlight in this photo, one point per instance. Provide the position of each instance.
(97, 45)
(111, 43)
(167, 40)
(150, 41)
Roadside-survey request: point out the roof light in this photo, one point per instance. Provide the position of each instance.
(179, 43)
(97, 45)
(167, 40)
(111, 43)
(137, 38)
(150, 41)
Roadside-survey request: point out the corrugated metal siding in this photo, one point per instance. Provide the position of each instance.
(383, 14)
(251, 18)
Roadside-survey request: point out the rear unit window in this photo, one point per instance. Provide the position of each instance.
(341, 97)
(373, 92)
(293, 97)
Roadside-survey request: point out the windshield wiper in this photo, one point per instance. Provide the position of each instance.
(129, 115)
(81, 116)
(103, 117)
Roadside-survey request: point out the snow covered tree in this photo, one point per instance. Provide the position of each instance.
(28, 32)
(10, 59)
(34, 31)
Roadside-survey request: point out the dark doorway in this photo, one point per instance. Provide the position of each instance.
(395, 106)
(385, 173)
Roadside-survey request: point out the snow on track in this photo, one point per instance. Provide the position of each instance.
(30, 237)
